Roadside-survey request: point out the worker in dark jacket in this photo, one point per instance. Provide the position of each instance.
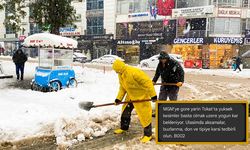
(170, 71)
(19, 58)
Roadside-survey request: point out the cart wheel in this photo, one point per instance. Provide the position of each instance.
(72, 83)
(34, 86)
(54, 86)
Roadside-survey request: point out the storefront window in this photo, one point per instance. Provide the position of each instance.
(220, 55)
(129, 53)
(188, 52)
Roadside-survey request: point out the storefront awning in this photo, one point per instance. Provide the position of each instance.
(46, 39)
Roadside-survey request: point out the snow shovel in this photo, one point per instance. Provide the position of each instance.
(177, 84)
(86, 105)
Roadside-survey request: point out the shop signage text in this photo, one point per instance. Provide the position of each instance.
(22, 38)
(69, 33)
(230, 12)
(95, 13)
(132, 42)
(138, 15)
(194, 11)
(247, 33)
(67, 29)
(248, 13)
(188, 41)
(232, 40)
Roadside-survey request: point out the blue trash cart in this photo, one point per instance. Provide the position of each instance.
(55, 60)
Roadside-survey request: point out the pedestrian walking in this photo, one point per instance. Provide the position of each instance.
(170, 71)
(136, 85)
(19, 58)
(238, 62)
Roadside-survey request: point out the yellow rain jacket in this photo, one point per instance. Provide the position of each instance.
(137, 85)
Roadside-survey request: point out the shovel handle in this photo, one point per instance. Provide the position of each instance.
(165, 84)
(135, 101)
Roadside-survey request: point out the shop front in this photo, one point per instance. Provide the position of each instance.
(191, 51)
(222, 49)
(140, 40)
(129, 50)
(95, 46)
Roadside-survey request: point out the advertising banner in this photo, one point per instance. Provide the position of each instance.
(229, 12)
(165, 7)
(193, 64)
(193, 11)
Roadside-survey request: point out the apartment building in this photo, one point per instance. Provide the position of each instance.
(203, 32)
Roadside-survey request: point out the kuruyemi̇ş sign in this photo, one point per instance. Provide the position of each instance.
(202, 122)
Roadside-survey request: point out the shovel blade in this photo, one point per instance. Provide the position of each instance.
(85, 105)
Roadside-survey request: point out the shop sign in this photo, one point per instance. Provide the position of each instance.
(247, 33)
(248, 13)
(247, 41)
(94, 13)
(125, 42)
(10, 35)
(188, 41)
(229, 12)
(69, 33)
(139, 16)
(227, 40)
(193, 11)
(22, 38)
(193, 64)
(71, 29)
(101, 37)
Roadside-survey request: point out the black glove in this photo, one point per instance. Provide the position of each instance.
(154, 98)
(117, 101)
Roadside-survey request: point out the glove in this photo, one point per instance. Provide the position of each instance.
(153, 82)
(154, 98)
(179, 84)
(117, 101)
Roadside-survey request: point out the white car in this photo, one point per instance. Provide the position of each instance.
(79, 57)
(153, 61)
(107, 59)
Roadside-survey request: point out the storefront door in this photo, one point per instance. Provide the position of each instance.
(213, 54)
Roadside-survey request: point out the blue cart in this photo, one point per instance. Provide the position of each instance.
(55, 60)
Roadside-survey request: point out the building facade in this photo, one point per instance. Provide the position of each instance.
(208, 32)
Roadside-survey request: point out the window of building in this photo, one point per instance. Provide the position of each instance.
(34, 28)
(134, 6)
(225, 26)
(191, 3)
(7, 13)
(95, 26)
(245, 3)
(227, 3)
(94, 4)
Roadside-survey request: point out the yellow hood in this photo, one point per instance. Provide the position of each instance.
(119, 66)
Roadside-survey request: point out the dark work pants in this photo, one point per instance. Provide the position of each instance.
(21, 68)
(170, 92)
(237, 67)
(126, 117)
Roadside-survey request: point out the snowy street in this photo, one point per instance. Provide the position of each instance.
(27, 114)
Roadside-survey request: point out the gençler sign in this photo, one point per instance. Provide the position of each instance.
(188, 41)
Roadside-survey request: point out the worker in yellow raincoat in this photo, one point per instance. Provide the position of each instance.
(137, 85)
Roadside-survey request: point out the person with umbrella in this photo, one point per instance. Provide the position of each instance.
(238, 61)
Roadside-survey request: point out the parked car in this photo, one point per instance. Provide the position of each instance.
(107, 59)
(79, 57)
(153, 61)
